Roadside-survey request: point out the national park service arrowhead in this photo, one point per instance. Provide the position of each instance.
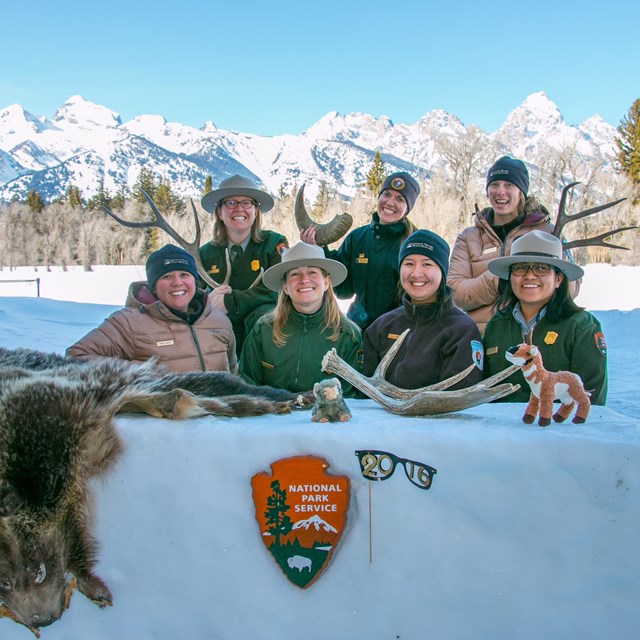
(302, 512)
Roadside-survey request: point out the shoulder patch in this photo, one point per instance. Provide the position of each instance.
(600, 342)
(477, 351)
(281, 247)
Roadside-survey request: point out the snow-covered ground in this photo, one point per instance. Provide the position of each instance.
(526, 532)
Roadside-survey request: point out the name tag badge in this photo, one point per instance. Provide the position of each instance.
(164, 343)
(490, 351)
(489, 250)
(362, 259)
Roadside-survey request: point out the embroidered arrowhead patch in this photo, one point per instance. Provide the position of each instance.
(301, 512)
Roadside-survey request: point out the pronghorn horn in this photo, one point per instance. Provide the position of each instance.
(326, 233)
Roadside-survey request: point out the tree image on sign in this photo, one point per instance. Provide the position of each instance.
(278, 522)
(301, 512)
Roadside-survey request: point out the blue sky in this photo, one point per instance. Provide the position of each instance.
(277, 67)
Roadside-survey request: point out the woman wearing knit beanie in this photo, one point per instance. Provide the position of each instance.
(370, 253)
(512, 213)
(443, 340)
(166, 317)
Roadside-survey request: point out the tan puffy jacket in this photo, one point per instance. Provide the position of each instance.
(146, 328)
(475, 289)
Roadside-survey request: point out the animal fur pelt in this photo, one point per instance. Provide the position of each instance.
(56, 433)
(170, 395)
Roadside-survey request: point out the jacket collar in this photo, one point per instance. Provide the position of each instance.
(393, 230)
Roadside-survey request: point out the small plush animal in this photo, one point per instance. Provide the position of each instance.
(329, 405)
(547, 386)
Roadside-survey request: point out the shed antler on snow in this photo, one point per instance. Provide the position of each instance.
(190, 247)
(427, 401)
(595, 241)
(326, 233)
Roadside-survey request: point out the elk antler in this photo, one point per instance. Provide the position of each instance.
(427, 401)
(564, 218)
(190, 247)
(325, 233)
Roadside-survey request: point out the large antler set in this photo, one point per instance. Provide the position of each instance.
(596, 241)
(427, 401)
(190, 247)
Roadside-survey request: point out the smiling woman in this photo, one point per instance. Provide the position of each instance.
(443, 340)
(286, 347)
(536, 303)
(166, 317)
(512, 213)
(370, 253)
(237, 206)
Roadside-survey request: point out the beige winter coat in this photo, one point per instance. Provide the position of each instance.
(146, 328)
(475, 289)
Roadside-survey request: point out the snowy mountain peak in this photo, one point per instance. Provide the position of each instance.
(600, 134)
(87, 145)
(325, 127)
(316, 522)
(208, 127)
(76, 112)
(438, 121)
(535, 114)
(18, 125)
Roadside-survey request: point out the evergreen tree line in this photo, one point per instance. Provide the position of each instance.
(75, 230)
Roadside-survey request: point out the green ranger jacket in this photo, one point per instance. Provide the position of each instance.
(296, 366)
(244, 306)
(370, 254)
(572, 344)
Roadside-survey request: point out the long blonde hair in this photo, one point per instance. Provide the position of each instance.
(220, 236)
(333, 317)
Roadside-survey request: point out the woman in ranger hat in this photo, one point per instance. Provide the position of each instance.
(238, 205)
(370, 253)
(285, 347)
(443, 340)
(536, 301)
(512, 213)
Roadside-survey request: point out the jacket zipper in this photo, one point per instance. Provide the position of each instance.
(199, 351)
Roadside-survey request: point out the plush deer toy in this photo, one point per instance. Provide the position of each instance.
(547, 386)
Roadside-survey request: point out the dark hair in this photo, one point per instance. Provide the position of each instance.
(560, 306)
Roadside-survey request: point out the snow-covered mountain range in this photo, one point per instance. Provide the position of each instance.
(87, 145)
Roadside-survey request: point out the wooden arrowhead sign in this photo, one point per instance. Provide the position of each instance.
(302, 512)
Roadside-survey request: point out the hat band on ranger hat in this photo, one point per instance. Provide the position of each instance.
(303, 255)
(237, 186)
(527, 248)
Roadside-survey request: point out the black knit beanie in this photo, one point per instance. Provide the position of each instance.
(428, 244)
(404, 184)
(510, 170)
(169, 258)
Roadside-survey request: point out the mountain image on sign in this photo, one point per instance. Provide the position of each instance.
(288, 504)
